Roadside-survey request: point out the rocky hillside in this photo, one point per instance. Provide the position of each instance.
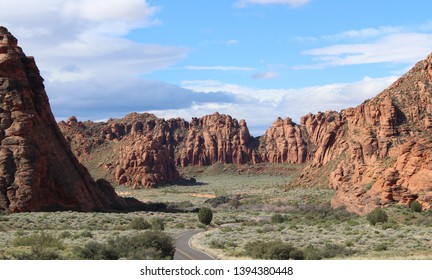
(38, 171)
(375, 154)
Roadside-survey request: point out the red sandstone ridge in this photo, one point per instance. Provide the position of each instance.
(38, 171)
(388, 146)
(213, 138)
(133, 151)
(141, 150)
(383, 146)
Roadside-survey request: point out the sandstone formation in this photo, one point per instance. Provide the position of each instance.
(141, 150)
(213, 138)
(285, 141)
(388, 146)
(38, 171)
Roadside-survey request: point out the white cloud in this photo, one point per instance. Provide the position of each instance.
(365, 33)
(89, 66)
(265, 75)
(232, 42)
(112, 10)
(219, 68)
(291, 3)
(260, 107)
(393, 48)
(88, 34)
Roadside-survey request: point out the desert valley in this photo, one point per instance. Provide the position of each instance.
(353, 184)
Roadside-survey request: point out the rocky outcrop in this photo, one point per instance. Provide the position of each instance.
(142, 150)
(388, 152)
(133, 151)
(38, 171)
(214, 138)
(285, 141)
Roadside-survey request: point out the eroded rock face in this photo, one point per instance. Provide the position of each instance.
(38, 171)
(285, 141)
(389, 146)
(214, 138)
(145, 150)
(133, 151)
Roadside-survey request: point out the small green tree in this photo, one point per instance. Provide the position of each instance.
(205, 215)
(415, 206)
(377, 215)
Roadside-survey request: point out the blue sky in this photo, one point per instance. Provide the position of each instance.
(253, 59)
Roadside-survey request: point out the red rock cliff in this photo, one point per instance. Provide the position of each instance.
(141, 150)
(38, 171)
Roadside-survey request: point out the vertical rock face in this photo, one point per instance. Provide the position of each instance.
(37, 168)
(144, 150)
(133, 151)
(285, 141)
(389, 151)
(214, 138)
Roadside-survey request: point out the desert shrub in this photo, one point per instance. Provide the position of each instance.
(328, 251)
(216, 244)
(65, 234)
(381, 247)
(157, 224)
(147, 245)
(205, 215)
(219, 200)
(312, 253)
(278, 219)
(97, 251)
(331, 250)
(234, 203)
(139, 224)
(297, 254)
(86, 234)
(415, 206)
(42, 240)
(390, 224)
(272, 250)
(180, 225)
(39, 253)
(377, 215)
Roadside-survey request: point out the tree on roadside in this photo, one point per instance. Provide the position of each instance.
(205, 215)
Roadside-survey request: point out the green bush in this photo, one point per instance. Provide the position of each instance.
(328, 251)
(157, 224)
(86, 234)
(205, 215)
(42, 240)
(278, 219)
(377, 215)
(97, 251)
(151, 245)
(216, 244)
(272, 250)
(39, 253)
(139, 224)
(415, 206)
